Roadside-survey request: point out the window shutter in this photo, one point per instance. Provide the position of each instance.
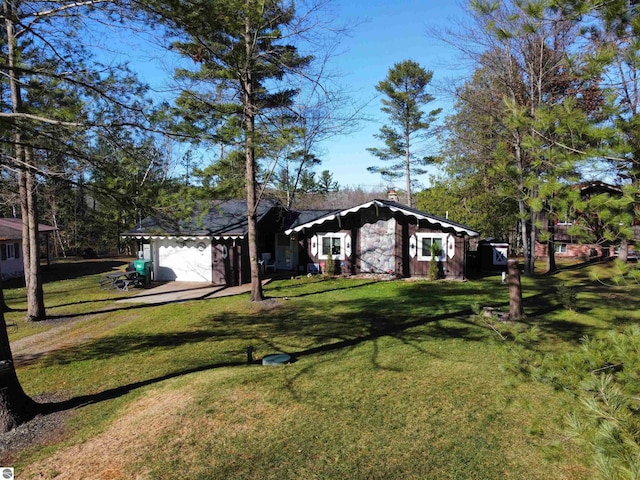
(347, 246)
(413, 246)
(451, 246)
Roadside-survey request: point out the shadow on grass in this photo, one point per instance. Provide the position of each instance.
(144, 297)
(122, 345)
(67, 270)
(417, 312)
(580, 265)
(112, 393)
(109, 310)
(369, 318)
(329, 287)
(169, 302)
(134, 306)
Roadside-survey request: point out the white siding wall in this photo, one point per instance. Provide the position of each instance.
(13, 267)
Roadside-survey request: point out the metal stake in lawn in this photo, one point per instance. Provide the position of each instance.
(250, 351)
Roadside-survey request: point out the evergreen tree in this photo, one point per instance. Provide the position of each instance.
(531, 84)
(614, 39)
(224, 177)
(405, 95)
(472, 201)
(240, 49)
(55, 97)
(326, 183)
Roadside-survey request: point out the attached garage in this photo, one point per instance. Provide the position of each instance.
(182, 260)
(210, 247)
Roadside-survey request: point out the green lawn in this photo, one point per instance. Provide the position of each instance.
(390, 380)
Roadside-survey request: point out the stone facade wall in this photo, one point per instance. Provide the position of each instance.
(377, 249)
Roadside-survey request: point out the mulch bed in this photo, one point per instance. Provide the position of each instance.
(40, 430)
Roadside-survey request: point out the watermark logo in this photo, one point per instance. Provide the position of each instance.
(6, 473)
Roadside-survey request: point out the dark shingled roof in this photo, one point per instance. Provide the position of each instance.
(229, 218)
(300, 217)
(222, 218)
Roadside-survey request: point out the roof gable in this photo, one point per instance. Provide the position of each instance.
(394, 207)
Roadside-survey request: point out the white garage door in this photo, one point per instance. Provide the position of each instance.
(188, 263)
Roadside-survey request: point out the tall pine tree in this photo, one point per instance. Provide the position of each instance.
(240, 48)
(404, 97)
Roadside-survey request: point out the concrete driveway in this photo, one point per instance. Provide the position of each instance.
(182, 291)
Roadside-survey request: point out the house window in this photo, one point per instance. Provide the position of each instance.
(10, 251)
(426, 241)
(560, 247)
(332, 243)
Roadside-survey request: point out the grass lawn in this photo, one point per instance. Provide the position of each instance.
(390, 380)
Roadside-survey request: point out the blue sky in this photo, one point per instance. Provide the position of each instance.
(391, 32)
(387, 32)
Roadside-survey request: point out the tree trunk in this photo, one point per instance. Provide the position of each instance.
(526, 239)
(3, 305)
(24, 214)
(515, 290)
(623, 253)
(531, 259)
(250, 173)
(551, 256)
(15, 406)
(26, 187)
(35, 293)
(551, 249)
(407, 162)
(30, 248)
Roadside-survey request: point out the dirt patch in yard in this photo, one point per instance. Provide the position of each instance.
(111, 454)
(67, 333)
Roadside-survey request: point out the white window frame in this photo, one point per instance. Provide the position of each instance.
(420, 236)
(560, 248)
(341, 236)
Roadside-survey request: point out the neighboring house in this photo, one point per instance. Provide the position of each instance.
(11, 257)
(567, 245)
(376, 237)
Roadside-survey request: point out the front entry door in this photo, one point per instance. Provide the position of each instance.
(219, 254)
(284, 253)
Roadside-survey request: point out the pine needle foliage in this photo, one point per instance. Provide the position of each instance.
(603, 378)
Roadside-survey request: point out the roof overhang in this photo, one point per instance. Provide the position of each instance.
(395, 208)
(149, 236)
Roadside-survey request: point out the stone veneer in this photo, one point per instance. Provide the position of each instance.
(377, 247)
